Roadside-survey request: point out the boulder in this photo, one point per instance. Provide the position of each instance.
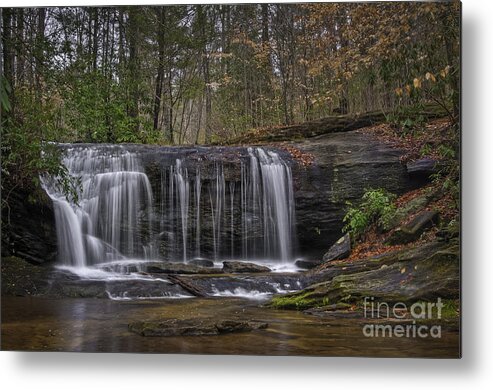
(340, 250)
(306, 264)
(243, 267)
(412, 230)
(424, 167)
(410, 207)
(193, 327)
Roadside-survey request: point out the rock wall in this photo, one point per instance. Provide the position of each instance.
(28, 227)
(344, 165)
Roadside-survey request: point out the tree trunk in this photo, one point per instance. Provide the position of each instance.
(160, 68)
(133, 65)
(8, 63)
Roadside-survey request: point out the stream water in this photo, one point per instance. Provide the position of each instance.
(76, 325)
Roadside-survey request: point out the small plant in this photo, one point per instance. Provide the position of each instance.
(376, 207)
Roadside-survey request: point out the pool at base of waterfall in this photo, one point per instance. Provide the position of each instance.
(95, 325)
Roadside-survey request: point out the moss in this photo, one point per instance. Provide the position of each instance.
(295, 302)
(450, 309)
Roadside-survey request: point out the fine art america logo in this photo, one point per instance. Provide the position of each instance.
(411, 320)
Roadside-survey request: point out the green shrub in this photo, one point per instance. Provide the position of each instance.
(376, 207)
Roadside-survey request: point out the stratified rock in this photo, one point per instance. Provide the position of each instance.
(202, 263)
(306, 264)
(193, 327)
(424, 167)
(413, 230)
(426, 272)
(344, 165)
(243, 267)
(340, 250)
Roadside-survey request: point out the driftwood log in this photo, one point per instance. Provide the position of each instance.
(186, 285)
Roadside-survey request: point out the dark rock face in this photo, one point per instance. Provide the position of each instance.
(243, 267)
(28, 227)
(194, 327)
(412, 231)
(306, 264)
(345, 164)
(422, 168)
(340, 250)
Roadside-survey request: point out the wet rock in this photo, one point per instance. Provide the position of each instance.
(428, 272)
(70, 286)
(249, 285)
(243, 267)
(306, 264)
(340, 250)
(202, 263)
(193, 327)
(179, 268)
(412, 231)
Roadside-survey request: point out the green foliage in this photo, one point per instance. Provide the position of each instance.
(408, 118)
(376, 207)
(26, 151)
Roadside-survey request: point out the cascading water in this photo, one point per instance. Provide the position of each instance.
(113, 213)
(193, 210)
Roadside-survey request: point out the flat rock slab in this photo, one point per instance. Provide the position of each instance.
(340, 250)
(412, 230)
(202, 263)
(243, 267)
(179, 268)
(193, 327)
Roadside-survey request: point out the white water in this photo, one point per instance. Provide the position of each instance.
(195, 213)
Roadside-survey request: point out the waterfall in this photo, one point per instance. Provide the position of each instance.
(193, 208)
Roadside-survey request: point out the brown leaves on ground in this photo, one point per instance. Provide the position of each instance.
(417, 144)
(303, 158)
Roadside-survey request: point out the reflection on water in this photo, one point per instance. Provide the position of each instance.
(101, 325)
